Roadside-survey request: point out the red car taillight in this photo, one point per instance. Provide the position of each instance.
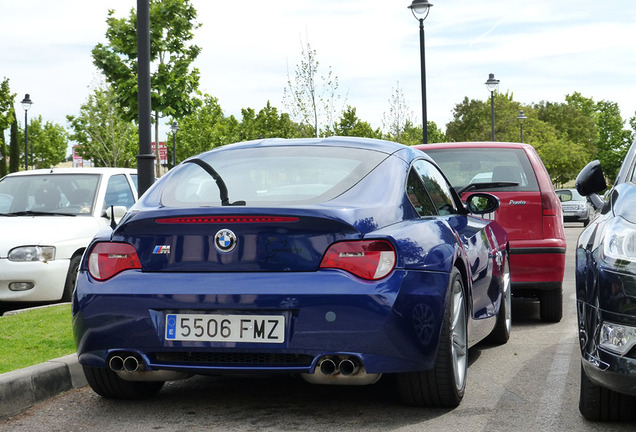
(108, 259)
(550, 204)
(368, 259)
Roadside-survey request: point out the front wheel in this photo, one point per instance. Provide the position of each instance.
(444, 385)
(106, 383)
(599, 403)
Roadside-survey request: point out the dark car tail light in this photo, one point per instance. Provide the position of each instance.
(368, 259)
(108, 259)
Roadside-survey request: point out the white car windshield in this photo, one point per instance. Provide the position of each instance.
(72, 194)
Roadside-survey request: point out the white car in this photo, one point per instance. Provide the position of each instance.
(47, 218)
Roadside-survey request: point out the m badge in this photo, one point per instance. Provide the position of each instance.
(161, 250)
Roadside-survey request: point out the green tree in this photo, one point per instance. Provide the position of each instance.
(399, 116)
(613, 139)
(312, 98)
(560, 135)
(570, 122)
(350, 125)
(48, 143)
(100, 132)
(173, 82)
(205, 128)
(266, 124)
(7, 116)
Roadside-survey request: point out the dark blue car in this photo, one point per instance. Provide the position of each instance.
(606, 295)
(339, 260)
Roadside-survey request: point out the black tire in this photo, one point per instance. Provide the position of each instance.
(444, 385)
(501, 333)
(106, 383)
(551, 305)
(71, 278)
(599, 403)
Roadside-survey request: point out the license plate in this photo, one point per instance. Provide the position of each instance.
(225, 328)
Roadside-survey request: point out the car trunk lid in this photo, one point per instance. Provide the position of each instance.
(248, 240)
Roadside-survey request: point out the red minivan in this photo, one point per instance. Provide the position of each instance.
(529, 211)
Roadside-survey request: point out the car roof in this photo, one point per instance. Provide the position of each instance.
(87, 170)
(354, 142)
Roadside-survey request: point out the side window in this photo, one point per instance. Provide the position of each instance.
(437, 187)
(418, 196)
(118, 192)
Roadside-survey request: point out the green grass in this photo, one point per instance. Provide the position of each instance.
(35, 336)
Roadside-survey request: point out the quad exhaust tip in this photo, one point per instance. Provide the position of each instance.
(341, 370)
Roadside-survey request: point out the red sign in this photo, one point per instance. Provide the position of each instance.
(163, 152)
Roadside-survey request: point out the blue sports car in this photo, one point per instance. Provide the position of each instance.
(339, 260)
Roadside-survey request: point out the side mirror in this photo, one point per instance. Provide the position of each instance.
(590, 182)
(482, 203)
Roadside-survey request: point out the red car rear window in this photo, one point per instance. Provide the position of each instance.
(464, 166)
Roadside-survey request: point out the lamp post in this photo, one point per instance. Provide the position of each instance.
(174, 128)
(26, 104)
(420, 10)
(521, 117)
(492, 84)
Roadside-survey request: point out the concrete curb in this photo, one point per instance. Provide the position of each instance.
(23, 388)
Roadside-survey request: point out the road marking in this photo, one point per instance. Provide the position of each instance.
(552, 399)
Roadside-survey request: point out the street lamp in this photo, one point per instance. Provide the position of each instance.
(420, 10)
(174, 128)
(492, 84)
(521, 117)
(26, 104)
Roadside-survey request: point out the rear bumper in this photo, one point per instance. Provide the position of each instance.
(537, 263)
(576, 216)
(391, 326)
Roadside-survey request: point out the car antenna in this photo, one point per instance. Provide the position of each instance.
(113, 224)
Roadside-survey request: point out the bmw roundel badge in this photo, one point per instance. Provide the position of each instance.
(225, 240)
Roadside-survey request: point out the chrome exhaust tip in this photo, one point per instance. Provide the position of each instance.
(116, 363)
(348, 367)
(131, 364)
(328, 367)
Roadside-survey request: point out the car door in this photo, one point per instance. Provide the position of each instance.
(473, 232)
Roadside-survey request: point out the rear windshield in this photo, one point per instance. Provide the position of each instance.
(465, 166)
(270, 176)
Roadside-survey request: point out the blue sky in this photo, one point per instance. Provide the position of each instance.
(540, 50)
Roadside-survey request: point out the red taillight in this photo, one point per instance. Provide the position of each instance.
(368, 259)
(549, 203)
(108, 259)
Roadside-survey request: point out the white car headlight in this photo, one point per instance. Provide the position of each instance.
(620, 242)
(617, 338)
(32, 253)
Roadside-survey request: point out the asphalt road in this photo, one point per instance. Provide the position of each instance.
(529, 384)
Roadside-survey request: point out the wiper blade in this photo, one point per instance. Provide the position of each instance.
(36, 213)
(225, 199)
(489, 185)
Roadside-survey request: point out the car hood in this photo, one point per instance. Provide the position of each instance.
(60, 231)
